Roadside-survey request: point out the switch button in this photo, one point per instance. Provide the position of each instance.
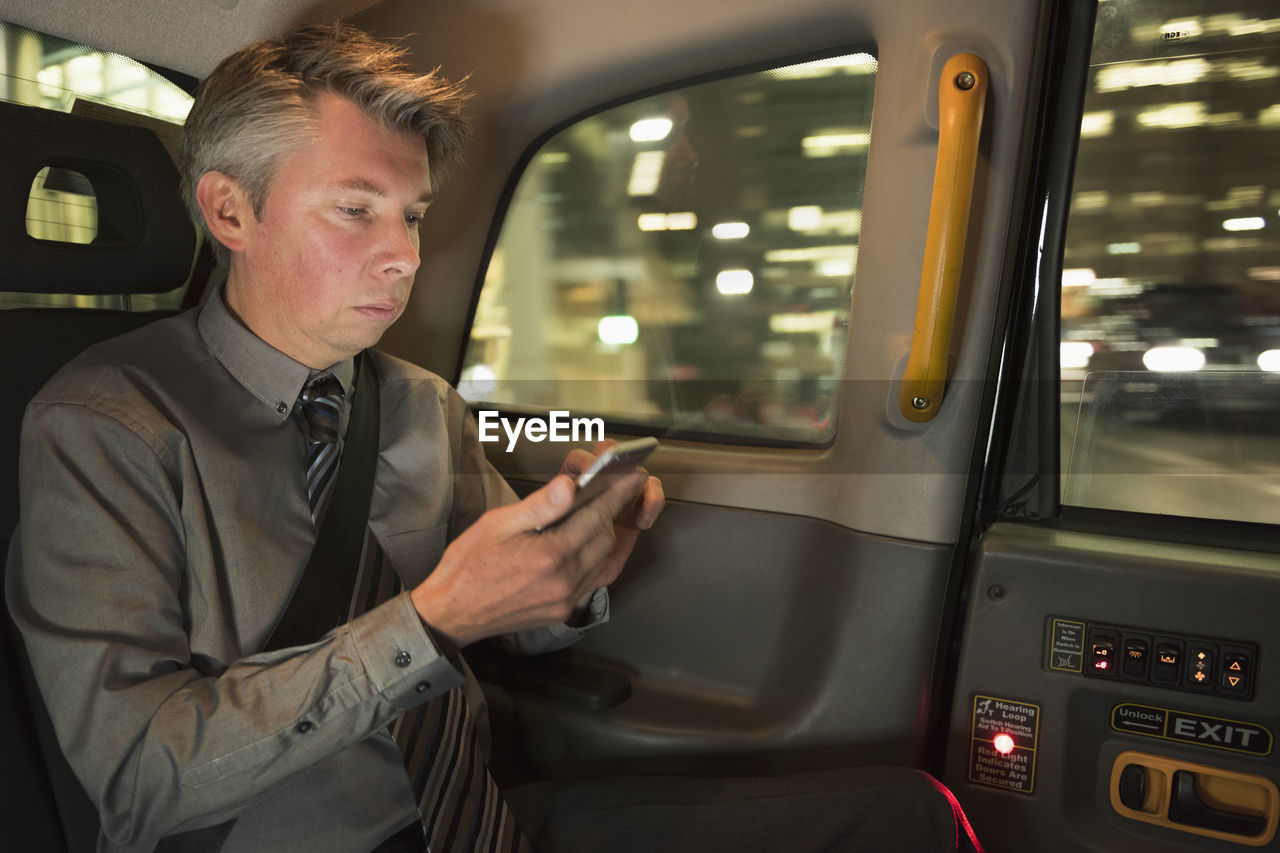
(1136, 658)
(1102, 655)
(1235, 673)
(1200, 670)
(1167, 668)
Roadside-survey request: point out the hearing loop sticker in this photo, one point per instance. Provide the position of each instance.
(1004, 736)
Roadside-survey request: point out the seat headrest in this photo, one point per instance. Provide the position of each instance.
(145, 240)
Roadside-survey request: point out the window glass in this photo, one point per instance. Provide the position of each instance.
(1170, 350)
(684, 262)
(40, 70)
(62, 206)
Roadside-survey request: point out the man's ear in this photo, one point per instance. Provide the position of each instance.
(226, 208)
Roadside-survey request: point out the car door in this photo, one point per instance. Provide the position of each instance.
(790, 608)
(1114, 684)
(1075, 559)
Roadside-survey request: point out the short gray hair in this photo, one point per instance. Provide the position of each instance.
(256, 107)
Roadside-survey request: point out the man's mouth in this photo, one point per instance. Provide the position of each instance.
(380, 310)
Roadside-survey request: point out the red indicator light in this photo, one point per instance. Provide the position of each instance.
(1003, 743)
(1102, 664)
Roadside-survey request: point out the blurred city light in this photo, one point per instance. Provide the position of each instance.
(806, 217)
(812, 219)
(1173, 359)
(1078, 277)
(646, 171)
(1175, 115)
(832, 143)
(618, 329)
(735, 282)
(1270, 361)
(682, 221)
(1097, 123)
(730, 230)
(1075, 353)
(834, 267)
(478, 382)
(1130, 75)
(651, 129)
(791, 323)
(1245, 223)
(814, 254)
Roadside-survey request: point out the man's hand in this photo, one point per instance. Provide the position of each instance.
(501, 575)
(639, 515)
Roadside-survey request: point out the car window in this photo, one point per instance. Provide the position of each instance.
(48, 72)
(684, 262)
(1170, 344)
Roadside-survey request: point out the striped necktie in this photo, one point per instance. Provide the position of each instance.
(461, 807)
(320, 401)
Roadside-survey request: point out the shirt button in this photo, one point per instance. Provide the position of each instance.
(282, 408)
(303, 727)
(423, 686)
(403, 658)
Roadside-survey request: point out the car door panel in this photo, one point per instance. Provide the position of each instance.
(1027, 576)
(736, 632)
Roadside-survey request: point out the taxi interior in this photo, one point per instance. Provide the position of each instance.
(959, 324)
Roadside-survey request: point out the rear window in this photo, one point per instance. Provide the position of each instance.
(45, 71)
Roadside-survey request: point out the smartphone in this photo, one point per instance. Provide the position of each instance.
(614, 462)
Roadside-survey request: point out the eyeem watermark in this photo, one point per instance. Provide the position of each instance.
(558, 426)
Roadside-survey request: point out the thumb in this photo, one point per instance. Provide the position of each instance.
(544, 506)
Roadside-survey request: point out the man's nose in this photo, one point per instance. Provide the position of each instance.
(398, 248)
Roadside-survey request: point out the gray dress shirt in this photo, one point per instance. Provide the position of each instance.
(164, 524)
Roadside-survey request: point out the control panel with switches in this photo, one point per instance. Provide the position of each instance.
(1161, 658)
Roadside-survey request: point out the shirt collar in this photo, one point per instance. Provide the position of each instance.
(268, 374)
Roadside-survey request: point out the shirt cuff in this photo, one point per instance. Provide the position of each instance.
(540, 640)
(405, 665)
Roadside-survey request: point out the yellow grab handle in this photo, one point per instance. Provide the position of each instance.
(962, 94)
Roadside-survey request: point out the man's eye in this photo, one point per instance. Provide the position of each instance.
(351, 211)
(413, 218)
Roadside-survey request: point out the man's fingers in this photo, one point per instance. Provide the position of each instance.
(652, 502)
(577, 461)
(540, 508)
(622, 492)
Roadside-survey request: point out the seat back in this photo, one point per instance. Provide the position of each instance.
(145, 244)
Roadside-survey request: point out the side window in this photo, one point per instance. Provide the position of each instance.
(1170, 350)
(39, 70)
(684, 262)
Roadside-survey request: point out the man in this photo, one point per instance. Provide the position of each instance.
(174, 480)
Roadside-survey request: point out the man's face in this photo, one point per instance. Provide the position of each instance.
(329, 264)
